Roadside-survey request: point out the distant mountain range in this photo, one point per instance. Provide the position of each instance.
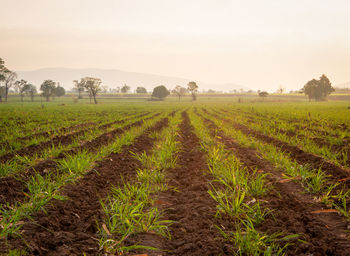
(113, 78)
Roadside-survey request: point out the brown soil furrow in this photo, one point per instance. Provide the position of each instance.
(13, 189)
(191, 207)
(58, 140)
(336, 173)
(326, 233)
(69, 227)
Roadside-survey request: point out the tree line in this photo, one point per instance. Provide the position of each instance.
(93, 86)
(8, 79)
(50, 89)
(317, 90)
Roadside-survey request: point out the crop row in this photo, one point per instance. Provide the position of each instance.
(15, 138)
(298, 216)
(332, 149)
(82, 172)
(300, 122)
(316, 173)
(13, 186)
(194, 182)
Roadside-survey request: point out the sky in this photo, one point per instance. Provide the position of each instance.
(260, 44)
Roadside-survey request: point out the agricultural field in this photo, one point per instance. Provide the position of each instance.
(175, 178)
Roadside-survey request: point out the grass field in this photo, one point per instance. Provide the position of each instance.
(212, 177)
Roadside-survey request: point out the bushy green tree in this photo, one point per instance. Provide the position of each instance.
(141, 90)
(263, 94)
(48, 89)
(125, 89)
(60, 91)
(160, 92)
(318, 89)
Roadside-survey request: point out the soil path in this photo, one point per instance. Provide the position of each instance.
(69, 227)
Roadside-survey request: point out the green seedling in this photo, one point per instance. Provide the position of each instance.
(230, 203)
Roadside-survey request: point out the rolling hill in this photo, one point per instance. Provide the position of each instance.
(113, 78)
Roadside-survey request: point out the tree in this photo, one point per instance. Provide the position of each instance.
(193, 88)
(21, 86)
(160, 92)
(324, 88)
(79, 86)
(31, 91)
(9, 79)
(59, 91)
(318, 89)
(2, 70)
(125, 88)
(310, 89)
(48, 89)
(2, 92)
(179, 91)
(281, 89)
(141, 90)
(2, 78)
(92, 85)
(263, 94)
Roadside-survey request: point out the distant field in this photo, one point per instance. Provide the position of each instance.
(242, 97)
(131, 176)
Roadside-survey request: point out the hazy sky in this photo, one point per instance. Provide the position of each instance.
(258, 44)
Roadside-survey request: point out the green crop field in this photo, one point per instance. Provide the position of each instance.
(137, 177)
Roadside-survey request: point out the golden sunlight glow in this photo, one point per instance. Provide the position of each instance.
(258, 44)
